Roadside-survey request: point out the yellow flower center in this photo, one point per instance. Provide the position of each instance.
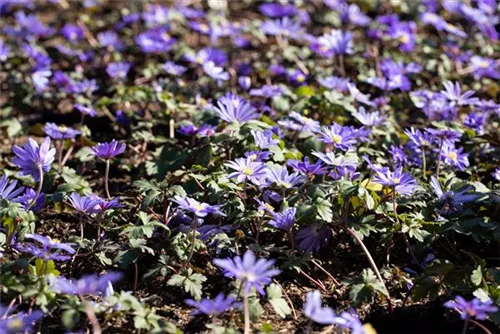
(198, 206)
(484, 64)
(404, 39)
(269, 206)
(300, 78)
(452, 156)
(253, 157)
(204, 28)
(247, 171)
(336, 139)
(396, 180)
(63, 128)
(15, 324)
(236, 103)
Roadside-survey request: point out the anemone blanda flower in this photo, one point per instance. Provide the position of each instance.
(213, 307)
(280, 176)
(337, 42)
(83, 204)
(452, 201)
(335, 83)
(31, 157)
(109, 150)
(312, 237)
(55, 131)
(85, 110)
(234, 109)
(250, 270)
(118, 70)
(453, 93)
(199, 209)
(474, 308)
(283, 220)
(454, 157)
(337, 160)
(307, 167)
(104, 205)
(86, 285)
(402, 183)
(264, 139)
(369, 119)
(20, 322)
(8, 189)
(40, 79)
(247, 169)
(419, 138)
(215, 72)
(314, 310)
(444, 136)
(50, 249)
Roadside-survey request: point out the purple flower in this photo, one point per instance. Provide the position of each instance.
(441, 25)
(104, 205)
(215, 72)
(109, 150)
(118, 70)
(4, 51)
(353, 14)
(284, 27)
(476, 121)
(84, 204)
(51, 249)
(316, 312)
(482, 67)
(283, 220)
(87, 285)
(245, 82)
(398, 156)
(213, 307)
(279, 175)
(336, 83)
(496, 174)
(40, 79)
(454, 157)
(55, 131)
(27, 198)
(32, 158)
(20, 322)
(369, 119)
(199, 209)
(305, 125)
(306, 167)
(419, 138)
(268, 91)
(257, 155)
(444, 135)
(297, 77)
(453, 93)
(311, 238)
(72, 32)
(85, 110)
(109, 39)
(205, 55)
(264, 139)
(452, 201)
(341, 137)
(254, 273)
(246, 169)
(8, 190)
(402, 183)
(173, 69)
(358, 96)
(474, 308)
(155, 40)
(234, 109)
(275, 10)
(337, 42)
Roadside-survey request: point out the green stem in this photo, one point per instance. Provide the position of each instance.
(424, 162)
(439, 159)
(106, 178)
(40, 184)
(246, 311)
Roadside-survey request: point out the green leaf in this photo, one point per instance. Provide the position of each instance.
(323, 209)
(70, 318)
(278, 303)
(192, 282)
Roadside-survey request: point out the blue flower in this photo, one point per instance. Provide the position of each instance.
(20, 322)
(32, 158)
(200, 209)
(8, 189)
(279, 175)
(311, 238)
(264, 139)
(40, 79)
(247, 169)
(251, 271)
(234, 109)
(215, 72)
(87, 285)
(51, 249)
(402, 183)
(453, 93)
(283, 220)
(474, 308)
(213, 307)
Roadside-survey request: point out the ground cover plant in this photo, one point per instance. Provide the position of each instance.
(240, 167)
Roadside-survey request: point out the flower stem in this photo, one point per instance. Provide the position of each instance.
(59, 147)
(40, 184)
(246, 311)
(94, 322)
(106, 178)
(439, 159)
(466, 325)
(424, 162)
